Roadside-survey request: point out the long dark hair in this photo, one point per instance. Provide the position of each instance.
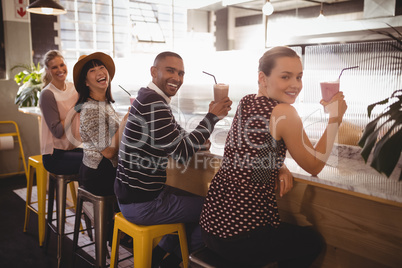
(83, 89)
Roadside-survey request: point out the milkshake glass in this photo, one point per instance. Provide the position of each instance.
(329, 89)
(221, 91)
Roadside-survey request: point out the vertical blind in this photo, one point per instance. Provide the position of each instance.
(378, 75)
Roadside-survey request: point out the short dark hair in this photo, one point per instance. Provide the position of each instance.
(165, 54)
(268, 60)
(83, 89)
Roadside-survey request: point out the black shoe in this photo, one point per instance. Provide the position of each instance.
(171, 261)
(127, 242)
(158, 254)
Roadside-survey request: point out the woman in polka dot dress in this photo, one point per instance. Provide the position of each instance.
(240, 219)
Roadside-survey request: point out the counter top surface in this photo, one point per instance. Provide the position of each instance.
(350, 172)
(30, 110)
(346, 170)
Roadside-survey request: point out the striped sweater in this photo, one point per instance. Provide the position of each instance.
(150, 137)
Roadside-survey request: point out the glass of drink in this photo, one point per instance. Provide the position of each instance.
(329, 89)
(132, 98)
(221, 91)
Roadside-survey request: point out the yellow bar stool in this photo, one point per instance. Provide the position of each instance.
(35, 164)
(16, 134)
(143, 240)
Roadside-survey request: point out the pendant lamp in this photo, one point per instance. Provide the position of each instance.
(46, 7)
(268, 8)
(321, 16)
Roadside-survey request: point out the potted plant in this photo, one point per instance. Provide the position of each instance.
(30, 82)
(387, 147)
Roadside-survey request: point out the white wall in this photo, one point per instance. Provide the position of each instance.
(17, 36)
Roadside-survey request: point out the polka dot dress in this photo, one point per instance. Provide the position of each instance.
(242, 195)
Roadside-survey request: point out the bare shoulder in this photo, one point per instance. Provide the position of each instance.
(284, 119)
(284, 109)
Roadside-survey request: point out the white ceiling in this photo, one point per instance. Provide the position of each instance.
(279, 5)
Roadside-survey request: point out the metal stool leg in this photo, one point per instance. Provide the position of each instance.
(101, 230)
(29, 194)
(50, 202)
(77, 226)
(61, 194)
(41, 179)
(88, 225)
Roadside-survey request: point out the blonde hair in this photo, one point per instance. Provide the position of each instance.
(50, 55)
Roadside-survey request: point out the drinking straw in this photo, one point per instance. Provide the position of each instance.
(211, 75)
(346, 69)
(125, 90)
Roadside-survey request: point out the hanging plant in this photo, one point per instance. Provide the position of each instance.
(30, 82)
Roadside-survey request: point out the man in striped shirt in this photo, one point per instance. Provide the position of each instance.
(151, 136)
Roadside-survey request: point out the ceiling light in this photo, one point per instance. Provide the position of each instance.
(321, 16)
(268, 8)
(46, 7)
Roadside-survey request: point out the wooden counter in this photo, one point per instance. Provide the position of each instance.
(361, 222)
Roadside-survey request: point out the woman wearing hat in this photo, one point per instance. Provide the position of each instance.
(60, 123)
(100, 127)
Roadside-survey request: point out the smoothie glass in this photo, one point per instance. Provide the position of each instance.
(329, 89)
(221, 91)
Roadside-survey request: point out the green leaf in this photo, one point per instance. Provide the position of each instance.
(31, 79)
(368, 130)
(371, 106)
(391, 146)
(20, 77)
(368, 145)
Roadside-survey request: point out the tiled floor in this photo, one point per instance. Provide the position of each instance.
(83, 239)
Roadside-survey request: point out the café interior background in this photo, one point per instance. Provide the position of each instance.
(225, 38)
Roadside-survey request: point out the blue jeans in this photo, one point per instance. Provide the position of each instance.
(169, 208)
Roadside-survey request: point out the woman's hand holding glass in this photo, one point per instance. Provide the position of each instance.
(336, 107)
